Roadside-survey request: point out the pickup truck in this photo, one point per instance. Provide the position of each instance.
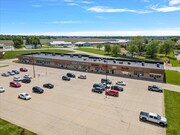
(155, 88)
(152, 117)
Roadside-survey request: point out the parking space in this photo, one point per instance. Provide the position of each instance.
(71, 108)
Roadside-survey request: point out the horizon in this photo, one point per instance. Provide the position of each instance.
(90, 17)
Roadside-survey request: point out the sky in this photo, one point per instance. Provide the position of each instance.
(90, 17)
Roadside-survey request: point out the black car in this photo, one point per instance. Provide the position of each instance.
(16, 71)
(71, 75)
(26, 80)
(106, 81)
(48, 85)
(99, 85)
(37, 89)
(97, 89)
(66, 78)
(118, 88)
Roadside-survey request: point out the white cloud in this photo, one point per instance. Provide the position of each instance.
(72, 4)
(101, 17)
(166, 9)
(37, 6)
(159, 32)
(145, 0)
(102, 9)
(65, 22)
(86, 2)
(174, 2)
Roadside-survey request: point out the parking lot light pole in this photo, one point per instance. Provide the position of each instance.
(33, 66)
(106, 71)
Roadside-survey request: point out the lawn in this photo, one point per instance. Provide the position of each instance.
(92, 50)
(172, 77)
(172, 111)
(7, 128)
(12, 54)
(173, 60)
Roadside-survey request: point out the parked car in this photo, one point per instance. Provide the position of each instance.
(2, 89)
(23, 69)
(11, 73)
(82, 77)
(24, 96)
(155, 88)
(66, 78)
(15, 71)
(112, 93)
(48, 85)
(6, 74)
(118, 88)
(107, 86)
(26, 80)
(37, 89)
(27, 76)
(15, 84)
(121, 83)
(17, 79)
(153, 117)
(71, 75)
(99, 85)
(103, 80)
(97, 89)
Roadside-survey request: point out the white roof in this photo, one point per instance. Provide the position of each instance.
(153, 114)
(60, 42)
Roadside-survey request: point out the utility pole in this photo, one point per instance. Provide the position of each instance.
(34, 74)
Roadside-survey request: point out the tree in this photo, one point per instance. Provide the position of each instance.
(132, 49)
(116, 50)
(167, 46)
(107, 48)
(152, 48)
(174, 39)
(33, 41)
(140, 42)
(99, 46)
(18, 42)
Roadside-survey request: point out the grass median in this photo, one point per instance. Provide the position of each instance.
(172, 110)
(172, 77)
(7, 128)
(12, 54)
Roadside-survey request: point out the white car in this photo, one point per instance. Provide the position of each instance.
(24, 96)
(11, 73)
(17, 79)
(28, 76)
(121, 83)
(2, 89)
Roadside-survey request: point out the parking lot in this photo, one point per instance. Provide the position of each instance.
(70, 108)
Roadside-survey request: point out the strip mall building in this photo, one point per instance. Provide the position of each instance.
(125, 68)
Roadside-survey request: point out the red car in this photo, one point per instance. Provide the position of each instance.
(15, 84)
(23, 69)
(112, 93)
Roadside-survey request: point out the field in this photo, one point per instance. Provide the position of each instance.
(12, 54)
(172, 77)
(7, 128)
(172, 109)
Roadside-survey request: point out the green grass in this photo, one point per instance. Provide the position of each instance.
(7, 128)
(173, 60)
(92, 50)
(12, 54)
(172, 111)
(172, 77)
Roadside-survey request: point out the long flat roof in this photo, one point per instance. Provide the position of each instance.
(98, 60)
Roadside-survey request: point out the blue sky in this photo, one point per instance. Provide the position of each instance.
(90, 17)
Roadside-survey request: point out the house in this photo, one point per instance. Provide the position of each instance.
(33, 46)
(82, 44)
(6, 47)
(60, 43)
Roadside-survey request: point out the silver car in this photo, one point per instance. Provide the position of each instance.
(24, 96)
(2, 89)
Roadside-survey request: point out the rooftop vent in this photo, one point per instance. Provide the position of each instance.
(79, 56)
(71, 55)
(142, 63)
(158, 64)
(120, 62)
(62, 54)
(129, 63)
(94, 59)
(53, 54)
(84, 59)
(114, 61)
